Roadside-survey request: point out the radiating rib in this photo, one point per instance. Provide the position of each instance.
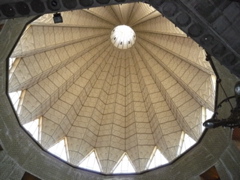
(139, 134)
(44, 64)
(177, 73)
(181, 50)
(157, 109)
(52, 88)
(140, 12)
(150, 16)
(104, 15)
(111, 140)
(66, 118)
(130, 13)
(38, 39)
(125, 12)
(159, 25)
(98, 33)
(165, 87)
(117, 12)
(86, 126)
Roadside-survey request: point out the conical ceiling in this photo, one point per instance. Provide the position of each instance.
(112, 101)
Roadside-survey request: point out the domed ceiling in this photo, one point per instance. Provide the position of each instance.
(110, 100)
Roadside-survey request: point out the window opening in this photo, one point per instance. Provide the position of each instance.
(157, 159)
(60, 149)
(214, 81)
(209, 114)
(33, 128)
(206, 114)
(124, 165)
(17, 99)
(13, 63)
(185, 143)
(91, 162)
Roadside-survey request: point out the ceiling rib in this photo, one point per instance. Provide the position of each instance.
(49, 71)
(186, 87)
(177, 114)
(204, 69)
(50, 100)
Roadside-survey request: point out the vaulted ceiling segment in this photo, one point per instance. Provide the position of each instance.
(111, 100)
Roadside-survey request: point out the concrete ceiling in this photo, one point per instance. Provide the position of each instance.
(111, 100)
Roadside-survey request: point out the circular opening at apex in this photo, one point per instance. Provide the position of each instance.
(123, 37)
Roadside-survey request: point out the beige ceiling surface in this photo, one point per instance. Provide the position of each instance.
(111, 100)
